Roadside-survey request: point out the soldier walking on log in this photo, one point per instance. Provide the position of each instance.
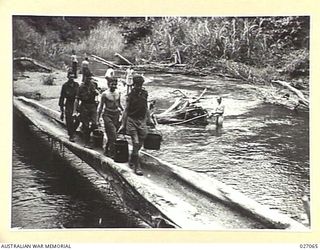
(111, 107)
(67, 98)
(88, 107)
(135, 119)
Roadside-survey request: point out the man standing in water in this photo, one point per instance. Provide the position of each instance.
(66, 102)
(110, 104)
(88, 108)
(218, 113)
(134, 120)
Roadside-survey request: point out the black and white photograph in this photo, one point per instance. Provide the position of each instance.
(161, 122)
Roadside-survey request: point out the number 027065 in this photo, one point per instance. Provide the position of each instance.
(309, 246)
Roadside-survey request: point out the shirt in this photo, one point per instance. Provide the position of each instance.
(68, 91)
(74, 58)
(85, 64)
(137, 103)
(87, 93)
(129, 76)
(109, 73)
(220, 109)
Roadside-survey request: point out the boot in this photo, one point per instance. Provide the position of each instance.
(87, 138)
(132, 161)
(71, 138)
(106, 150)
(137, 167)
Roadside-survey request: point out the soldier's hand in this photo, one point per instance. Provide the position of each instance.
(150, 124)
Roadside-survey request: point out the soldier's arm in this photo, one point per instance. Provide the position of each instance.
(149, 120)
(61, 99)
(119, 103)
(76, 102)
(124, 117)
(101, 105)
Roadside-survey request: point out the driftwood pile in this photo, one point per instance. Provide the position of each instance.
(184, 110)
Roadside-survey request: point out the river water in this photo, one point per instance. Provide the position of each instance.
(262, 151)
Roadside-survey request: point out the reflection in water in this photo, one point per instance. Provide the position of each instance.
(213, 130)
(51, 192)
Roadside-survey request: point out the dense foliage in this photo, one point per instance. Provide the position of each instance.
(252, 48)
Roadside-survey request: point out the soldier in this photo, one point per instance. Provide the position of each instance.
(88, 107)
(129, 80)
(135, 119)
(111, 107)
(66, 102)
(218, 113)
(85, 69)
(74, 62)
(109, 74)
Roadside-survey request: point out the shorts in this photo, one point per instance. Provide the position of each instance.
(88, 113)
(137, 129)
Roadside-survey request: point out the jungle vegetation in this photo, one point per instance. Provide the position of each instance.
(255, 49)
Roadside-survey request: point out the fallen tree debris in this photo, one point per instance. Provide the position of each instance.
(123, 58)
(299, 94)
(33, 61)
(110, 64)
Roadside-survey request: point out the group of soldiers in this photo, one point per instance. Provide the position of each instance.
(79, 104)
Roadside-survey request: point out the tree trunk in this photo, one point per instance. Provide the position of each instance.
(33, 61)
(302, 99)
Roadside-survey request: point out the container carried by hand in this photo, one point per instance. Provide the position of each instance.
(121, 150)
(153, 139)
(97, 138)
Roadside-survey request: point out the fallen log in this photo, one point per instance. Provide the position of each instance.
(111, 64)
(167, 69)
(300, 95)
(156, 198)
(123, 58)
(168, 64)
(104, 63)
(33, 61)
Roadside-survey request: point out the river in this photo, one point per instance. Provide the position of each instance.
(262, 150)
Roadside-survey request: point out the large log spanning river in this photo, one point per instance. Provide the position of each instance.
(262, 151)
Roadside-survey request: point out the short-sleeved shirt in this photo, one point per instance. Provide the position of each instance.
(74, 58)
(85, 64)
(109, 73)
(220, 109)
(137, 103)
(87, 93)
(129, 76)
(69, 91)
